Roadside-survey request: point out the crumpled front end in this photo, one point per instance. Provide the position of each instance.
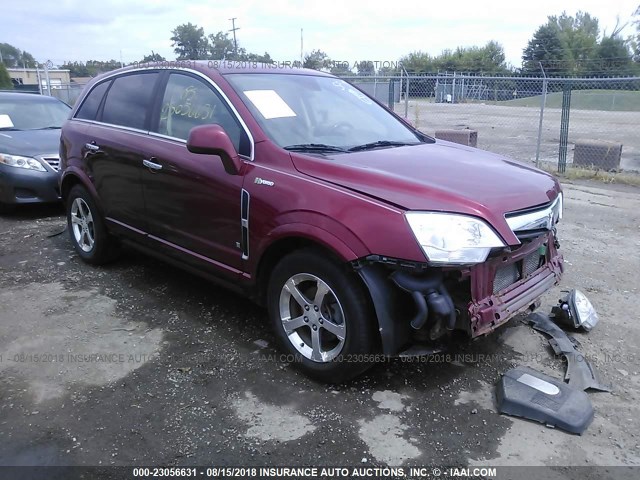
(418, 304)
(506, 285)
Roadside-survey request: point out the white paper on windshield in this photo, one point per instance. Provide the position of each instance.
(269, 104)
(5, 121)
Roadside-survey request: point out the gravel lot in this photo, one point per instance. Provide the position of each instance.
(513, 131)
(184, 373)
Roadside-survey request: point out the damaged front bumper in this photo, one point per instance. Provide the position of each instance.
(417, 303)
(491, 307)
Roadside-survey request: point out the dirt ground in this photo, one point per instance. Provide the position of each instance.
(140, 363)
(513, 131)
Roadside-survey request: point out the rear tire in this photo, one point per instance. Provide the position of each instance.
(87, 230)
(322, 316)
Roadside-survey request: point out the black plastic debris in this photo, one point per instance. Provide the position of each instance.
(580, 374)
(524, 392)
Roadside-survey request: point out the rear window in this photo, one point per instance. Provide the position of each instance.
(89, 108)
(128, 100)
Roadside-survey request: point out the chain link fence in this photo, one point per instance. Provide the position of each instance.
(67, 92)
(554, 122)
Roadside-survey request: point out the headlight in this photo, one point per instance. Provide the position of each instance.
(17, 161)
(576, 310)
(558, 207)
(453, 239)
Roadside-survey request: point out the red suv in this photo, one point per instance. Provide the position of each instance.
(361, 235)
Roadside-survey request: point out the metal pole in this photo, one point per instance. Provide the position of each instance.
(543, 102)
(46, 75)
(39, 79)
(564, 127)
(235, 42)
(406, 96)
(453, 89)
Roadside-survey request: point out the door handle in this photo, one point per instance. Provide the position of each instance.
(151, 164)
(92, 146)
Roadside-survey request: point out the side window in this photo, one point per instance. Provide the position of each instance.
(89, 108)
(189, 102)
(128, 100)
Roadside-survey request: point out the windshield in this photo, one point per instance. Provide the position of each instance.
(33, 113)
(316, 112)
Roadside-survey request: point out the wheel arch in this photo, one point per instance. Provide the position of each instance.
(280, 248)
(75, 177)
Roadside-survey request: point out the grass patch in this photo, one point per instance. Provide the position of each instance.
(608, 100)
(579, 173)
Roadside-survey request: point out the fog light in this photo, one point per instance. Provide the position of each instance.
(576, 310)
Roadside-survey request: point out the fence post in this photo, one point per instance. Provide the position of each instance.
(406, 94)
(39, 78)
(46, 75)
(543, 101)
(564, 126)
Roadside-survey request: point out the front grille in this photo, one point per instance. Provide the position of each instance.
(53, 162)
(507, 275)
(531, 263)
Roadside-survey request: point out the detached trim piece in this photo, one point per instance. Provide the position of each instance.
(580, 373)
(524, 392)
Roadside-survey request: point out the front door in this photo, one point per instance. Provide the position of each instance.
(192, 204)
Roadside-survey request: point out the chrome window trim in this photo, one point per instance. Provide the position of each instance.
(544, 218)
(177, 69)
(112, 125)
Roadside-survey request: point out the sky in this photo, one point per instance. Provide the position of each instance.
(349, 31)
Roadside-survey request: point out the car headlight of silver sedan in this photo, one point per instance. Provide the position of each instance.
(453, 239)
(18, 161)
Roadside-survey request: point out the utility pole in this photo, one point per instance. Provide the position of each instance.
(301, 47)
(235, 42)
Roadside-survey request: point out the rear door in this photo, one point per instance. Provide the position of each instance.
(114, 149)
(193, 205)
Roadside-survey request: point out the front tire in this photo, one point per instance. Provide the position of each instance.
(87, 229)
(322, 315)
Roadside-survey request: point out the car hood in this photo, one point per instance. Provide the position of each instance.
(440, 176)
(30, 142)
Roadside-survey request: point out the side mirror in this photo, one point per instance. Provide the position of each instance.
(213, 140)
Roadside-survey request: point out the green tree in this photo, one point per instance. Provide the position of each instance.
(13, 57)
(546, 48)
(154, 57)
(580, 36)
(418, 62)
(487, 59)
(189, 42)
(254, 57)
(340, 69)
(614, 56)
(571, 45)
(5, 79)
(366, 67)
(316, 60)
(77, 69)
(221, 47)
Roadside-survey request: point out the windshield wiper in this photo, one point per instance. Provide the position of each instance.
(379, 143)
(52, 127)
(314, 147)
(9, 129)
